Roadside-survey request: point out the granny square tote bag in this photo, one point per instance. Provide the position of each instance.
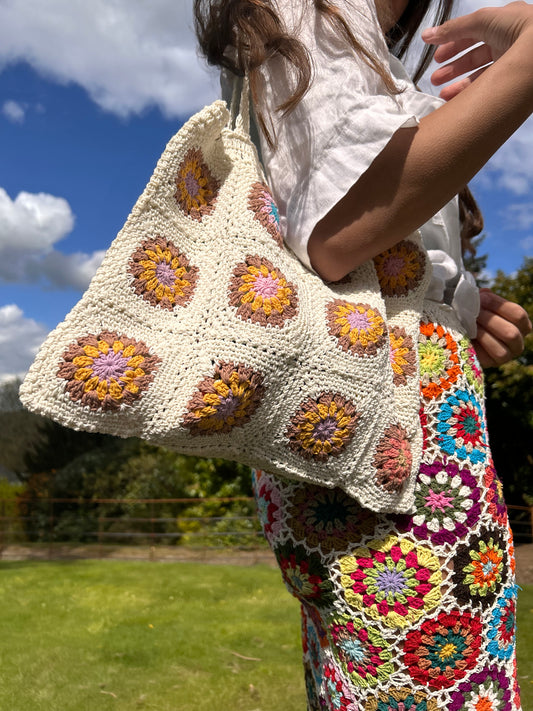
(201, 331)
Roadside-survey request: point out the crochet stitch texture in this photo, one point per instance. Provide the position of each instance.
(201, 331)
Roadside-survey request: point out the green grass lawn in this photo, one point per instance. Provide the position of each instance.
(525, 645)
(98, 635)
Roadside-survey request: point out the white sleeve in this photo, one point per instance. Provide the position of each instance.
(343, 122)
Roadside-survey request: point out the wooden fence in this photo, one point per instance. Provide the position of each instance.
(56, 527)
(153, 528)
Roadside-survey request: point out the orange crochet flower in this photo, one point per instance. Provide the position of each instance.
(439, 360)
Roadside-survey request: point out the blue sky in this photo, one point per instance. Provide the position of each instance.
(88, 101)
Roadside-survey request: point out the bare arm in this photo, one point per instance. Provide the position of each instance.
(422, 168)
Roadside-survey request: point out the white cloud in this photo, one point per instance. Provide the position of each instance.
(69, 270)
(527, 244)
(14, 111)
(511, 167)
(466, 6)
(20, 338)
(30, 226)
(128, 56)
(133, 55)
(519, 215)
(33, 221)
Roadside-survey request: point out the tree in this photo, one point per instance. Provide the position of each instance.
(510, 398)
(20, 430)
(476, 263)
(67, 464)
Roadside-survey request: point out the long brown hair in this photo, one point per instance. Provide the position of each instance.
(255, 33)
(400, 36)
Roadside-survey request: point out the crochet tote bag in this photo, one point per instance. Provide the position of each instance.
(201, 331)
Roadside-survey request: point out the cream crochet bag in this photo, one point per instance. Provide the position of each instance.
(202, 331)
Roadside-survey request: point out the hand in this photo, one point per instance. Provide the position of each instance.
(497, 28)
(501, 328)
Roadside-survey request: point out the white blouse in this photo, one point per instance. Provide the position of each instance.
(342, 123)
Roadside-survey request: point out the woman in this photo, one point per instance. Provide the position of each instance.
(398, 612)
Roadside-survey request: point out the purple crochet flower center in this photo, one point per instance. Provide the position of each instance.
(191, 184)
(391, 581)
(444, 536)
(227, 406)
(499, 677)
(110, 365)
(326, 429)
(165, 274)
(393, 266)
(358, 320)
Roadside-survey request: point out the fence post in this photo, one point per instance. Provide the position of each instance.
(51, 528)
(2, 527)
(152, 532)
(531, 519)
(99, 533)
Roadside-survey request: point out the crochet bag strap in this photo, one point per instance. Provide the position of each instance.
(239, 120)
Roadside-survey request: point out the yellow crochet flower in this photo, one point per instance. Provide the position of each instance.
(107, 371)
(163, 275)
(261, 293)
(197, 188)
(392, 580)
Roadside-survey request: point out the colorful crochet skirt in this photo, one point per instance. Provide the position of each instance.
(407, 612)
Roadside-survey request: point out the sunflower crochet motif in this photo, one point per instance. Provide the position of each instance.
(107, 371)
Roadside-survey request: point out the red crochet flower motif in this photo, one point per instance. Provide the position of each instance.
(495, 500)
(338, 692)
(305, 575)
(311, 644)
(510, 550)
(424, 425)
(516, 686)
(268, 501)
(393, 458)
(364, 655)
(443, 649)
